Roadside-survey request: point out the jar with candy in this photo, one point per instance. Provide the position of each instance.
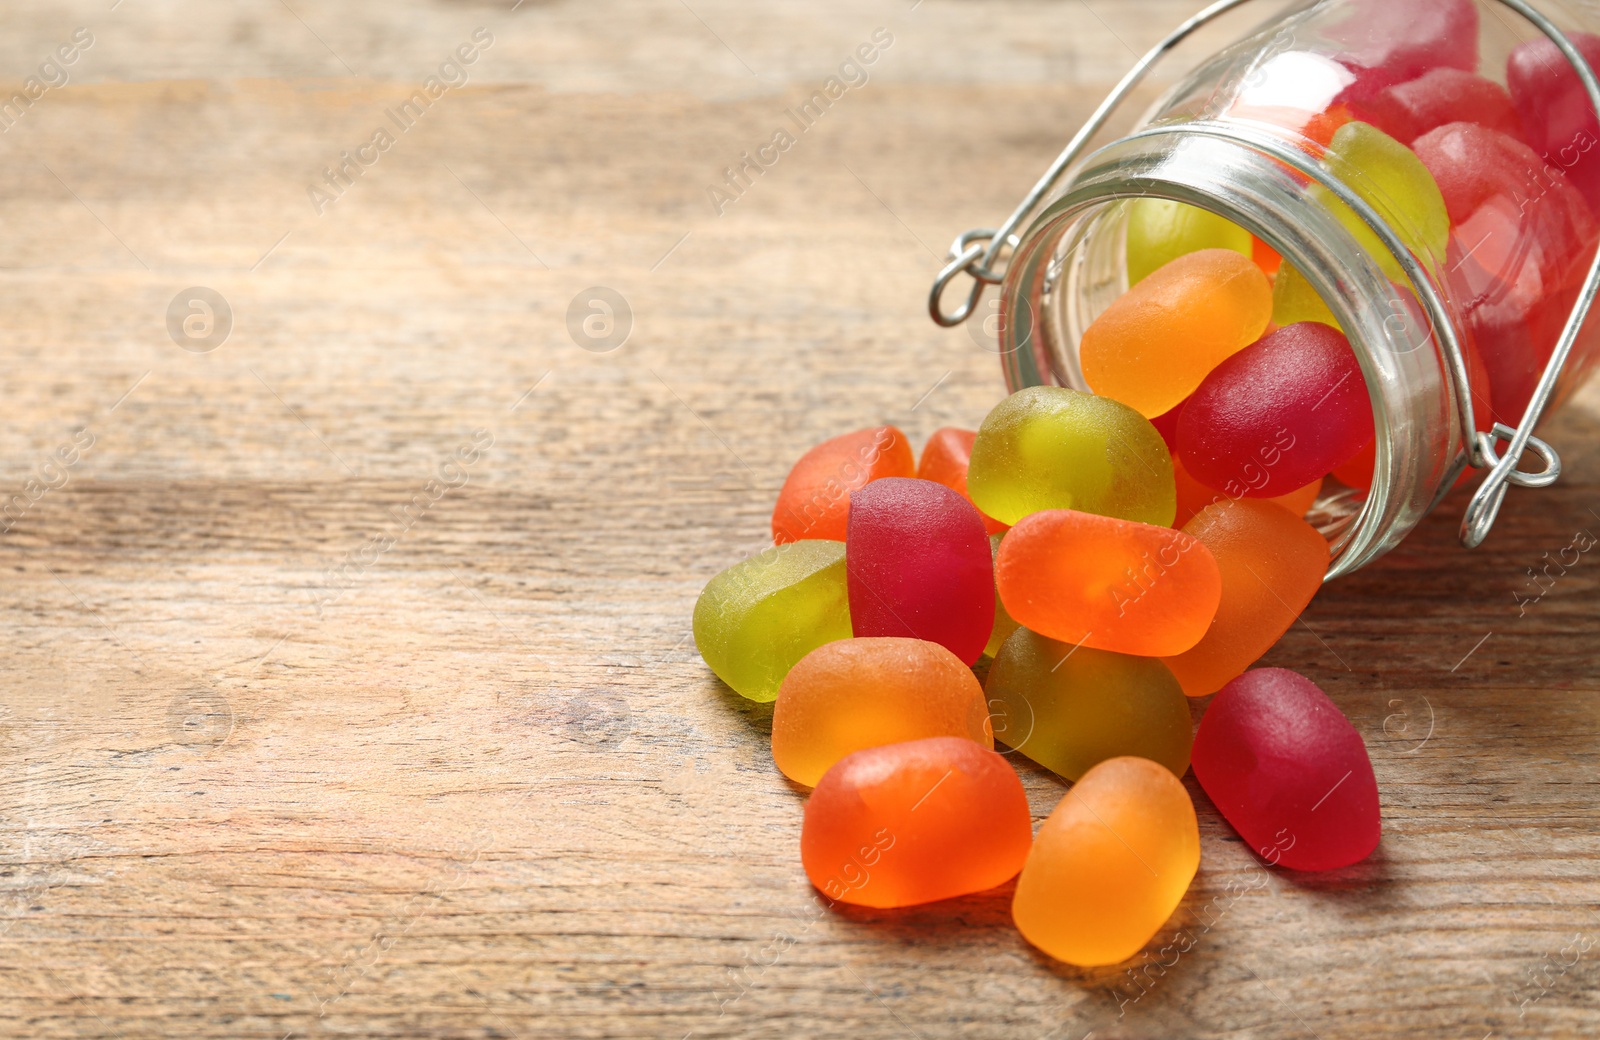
(1420, 176)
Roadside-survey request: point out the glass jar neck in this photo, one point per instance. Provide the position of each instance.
(1070, 265)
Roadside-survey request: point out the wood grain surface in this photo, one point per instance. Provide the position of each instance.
(347, 686)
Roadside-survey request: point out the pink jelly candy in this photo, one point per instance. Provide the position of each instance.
(918, 564)
(1555, 112)
(1392, 41)
(1277, 415)
(1522, 242)
(1408, 110)
(1288, 771)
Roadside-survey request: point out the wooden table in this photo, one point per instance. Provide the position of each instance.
(348, 687)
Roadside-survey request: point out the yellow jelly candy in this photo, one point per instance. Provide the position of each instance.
(1070, 708)
(1160, 230)
(1154, 344)
(1047, 447)
(1110, 864)
(1390, 177)
(1294, 301)
(1003, 624)
(760, 616)
(862, 693)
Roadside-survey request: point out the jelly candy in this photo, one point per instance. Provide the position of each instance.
(1265, 257)
(860, 693)
(1070, 707)
(1388, 42)
(1003, 623)
(1106, 583)
(1160, 231)
(1277, 415)
(1555, 111)
(1295, 301)
(757, 618)
(1524, 239)
(815, 499)
(1151, 347)
(944, 461)
(1288, 771)
(1194, 496)
(1408, 110)
(1109, 865)
(919, 565)
(915, 822)
(1389, 177)
(1047, 447)
(1357, 473)
(1271, 565)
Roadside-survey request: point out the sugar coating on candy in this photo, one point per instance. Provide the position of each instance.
(1048, 447)
(1277, 415)
(815, 500)
(915, 822)
(919, 564)
(756, 619)
(945, 459)
(1554, 109)
(1389, 177)
(1386, 42)
(1194, 496)
(1408, 110)
(1160, 231)
(1109, 865)
(1271, 565)
(1106, 583)
(860, 693)
(1288, 771)
(1004, 624)
(1151, 347)
(1070, 707)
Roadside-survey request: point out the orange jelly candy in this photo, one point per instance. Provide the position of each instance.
(1105, 583)
(1158, 340)
(815, 500)
(1272, 563)
(1110, 864)
(859, 693)
(915, 822)
(944, 461)
(1194, 496)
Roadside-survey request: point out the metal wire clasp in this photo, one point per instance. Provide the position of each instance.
(978, 253)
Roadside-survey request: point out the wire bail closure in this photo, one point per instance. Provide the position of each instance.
(978, 253)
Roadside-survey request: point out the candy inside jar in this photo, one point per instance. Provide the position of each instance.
(1414, 188)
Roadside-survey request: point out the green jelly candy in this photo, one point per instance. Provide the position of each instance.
(1294, 300)
(1160, 230)
(755, 620)
(1390, 177)
(1003, 625)
(1069, 707)
(1048, 447)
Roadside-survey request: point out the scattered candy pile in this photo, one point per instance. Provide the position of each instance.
(1113, 552)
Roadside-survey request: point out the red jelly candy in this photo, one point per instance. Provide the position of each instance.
(944, 461)
(918, 564)
(1522, 242)
(1277, 415)
(1388, 42)
(1555, 112)
(1288, 771)
(1408, 110)
(816, 496)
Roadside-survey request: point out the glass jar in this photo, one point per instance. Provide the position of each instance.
(1250, 135)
